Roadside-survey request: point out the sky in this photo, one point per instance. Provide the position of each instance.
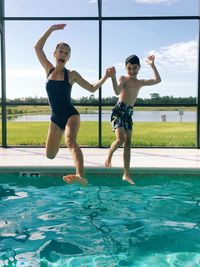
(173, 42)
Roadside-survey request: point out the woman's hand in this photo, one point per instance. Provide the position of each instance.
(111, 72)
(56, 27)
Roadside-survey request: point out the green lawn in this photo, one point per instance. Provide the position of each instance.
(144, 134)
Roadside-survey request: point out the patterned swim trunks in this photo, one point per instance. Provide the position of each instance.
(122, 116)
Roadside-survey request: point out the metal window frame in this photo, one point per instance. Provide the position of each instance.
(100, 19)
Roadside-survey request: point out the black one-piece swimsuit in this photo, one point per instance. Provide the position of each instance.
(59, 95)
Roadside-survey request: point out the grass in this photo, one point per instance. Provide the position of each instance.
(144, 134)
(159, 134)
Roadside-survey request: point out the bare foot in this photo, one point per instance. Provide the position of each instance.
(128, 179)
(73, 178)
(108, 163)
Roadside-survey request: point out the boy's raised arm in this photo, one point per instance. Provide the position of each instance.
(156, 79)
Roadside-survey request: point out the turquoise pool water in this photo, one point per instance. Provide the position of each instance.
(44, 222)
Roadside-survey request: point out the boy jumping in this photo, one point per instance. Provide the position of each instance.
(127, 88)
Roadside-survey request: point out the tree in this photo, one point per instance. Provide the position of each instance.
(155, 96)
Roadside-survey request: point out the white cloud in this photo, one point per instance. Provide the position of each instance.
(22, 72)
(92, 1)
(176, 58)
(155, 2)
(87, 72)
(120, 66)
(179, 57)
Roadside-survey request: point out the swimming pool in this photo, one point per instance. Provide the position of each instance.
(45, 222)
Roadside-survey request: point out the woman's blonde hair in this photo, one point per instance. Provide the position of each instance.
(65, 44)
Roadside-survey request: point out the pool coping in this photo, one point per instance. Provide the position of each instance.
(60, 170)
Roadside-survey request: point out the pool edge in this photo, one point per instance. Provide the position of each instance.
(45, 170)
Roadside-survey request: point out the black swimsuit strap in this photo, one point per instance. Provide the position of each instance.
(66, 77)
(51, 70)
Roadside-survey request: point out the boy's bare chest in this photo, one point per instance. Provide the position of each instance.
(131, 87)
(132, 84)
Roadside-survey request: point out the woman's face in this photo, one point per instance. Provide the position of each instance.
(62, 54)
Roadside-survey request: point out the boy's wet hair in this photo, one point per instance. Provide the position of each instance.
(65, 44)
(133, 59)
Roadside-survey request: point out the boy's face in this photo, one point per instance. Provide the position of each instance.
(62, 54)
(132, 69)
